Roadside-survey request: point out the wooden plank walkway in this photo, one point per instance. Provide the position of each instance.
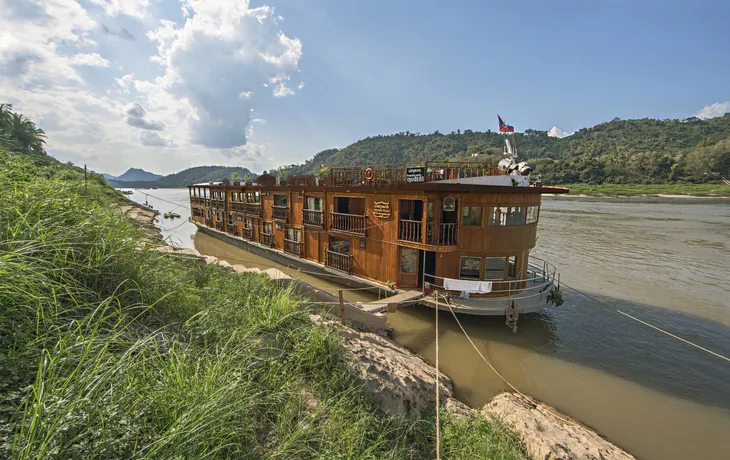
(401, 297)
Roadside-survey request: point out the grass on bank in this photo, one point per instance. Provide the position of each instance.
(111, 350)
(718, 189)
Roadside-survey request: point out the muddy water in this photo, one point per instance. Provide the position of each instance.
(666, 261)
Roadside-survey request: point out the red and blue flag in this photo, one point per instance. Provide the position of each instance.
(504, 127)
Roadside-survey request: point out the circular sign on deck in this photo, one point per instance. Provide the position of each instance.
(381, 210)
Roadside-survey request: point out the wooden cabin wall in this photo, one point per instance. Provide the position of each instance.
(380, 258)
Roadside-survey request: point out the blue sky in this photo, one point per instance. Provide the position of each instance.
(274, 82)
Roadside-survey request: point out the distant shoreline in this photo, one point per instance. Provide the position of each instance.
(651, 190)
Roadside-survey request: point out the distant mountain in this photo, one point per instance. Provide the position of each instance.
(108, 177)
(187, 177)
(136, 175)
(618, 151)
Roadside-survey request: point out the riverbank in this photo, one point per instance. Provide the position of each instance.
(662, 190)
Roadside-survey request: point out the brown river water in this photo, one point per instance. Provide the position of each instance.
(663, 260)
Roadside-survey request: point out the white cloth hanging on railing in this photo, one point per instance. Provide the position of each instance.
(468, 286)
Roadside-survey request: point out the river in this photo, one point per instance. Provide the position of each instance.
(665, 261)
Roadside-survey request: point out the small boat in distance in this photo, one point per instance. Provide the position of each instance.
(171, 215)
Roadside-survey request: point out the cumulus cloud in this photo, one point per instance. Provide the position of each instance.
(216, 63)
(89, 59)
(134, 8)
(250, 152)
(301, 85)
(282, 90)
(152, 139)
(717, 109)
(137, 117)
(557, 132)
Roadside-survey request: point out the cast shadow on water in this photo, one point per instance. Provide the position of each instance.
(589, 334)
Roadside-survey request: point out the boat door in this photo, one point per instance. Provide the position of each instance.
(410, 268)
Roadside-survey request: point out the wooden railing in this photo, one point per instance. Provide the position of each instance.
(247, 233)
(347, 223)
(339, 261)
(410, 230)
(252, 209)
(313, 218)
(441, 234)
(396, 173)
(280, 213)
(231, 227)
(293, 247)
(267, 239)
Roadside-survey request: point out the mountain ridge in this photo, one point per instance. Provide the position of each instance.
(187, 177)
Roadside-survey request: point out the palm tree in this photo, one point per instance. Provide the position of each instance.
(19, 133)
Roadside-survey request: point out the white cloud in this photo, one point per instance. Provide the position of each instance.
(151, 138)
(224, 50)
(301, 85)
(212, 68)
(717, 109)
(557, 132)
(89, 59)
(135, 8)
(282, 90)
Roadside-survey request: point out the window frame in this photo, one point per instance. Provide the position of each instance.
(464, 208)
(461, 267)
(488, 270)
(536, 210)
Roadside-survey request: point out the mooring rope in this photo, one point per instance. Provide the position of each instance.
(438, 406)
(522, 395)
(706, 350)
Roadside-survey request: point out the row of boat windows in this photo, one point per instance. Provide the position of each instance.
(471, 216)
(470, 268)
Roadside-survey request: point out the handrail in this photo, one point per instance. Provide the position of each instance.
(548, 277)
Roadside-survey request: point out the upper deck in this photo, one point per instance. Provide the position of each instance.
(423, 176)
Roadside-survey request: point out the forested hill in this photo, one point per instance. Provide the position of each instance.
(191, 176)
(619, 151)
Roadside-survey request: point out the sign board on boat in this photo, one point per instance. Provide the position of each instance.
(381, 210)
(415, 175)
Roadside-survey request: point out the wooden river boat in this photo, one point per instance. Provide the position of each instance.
(463, 229)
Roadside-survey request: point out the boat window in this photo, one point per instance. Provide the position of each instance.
(511, 267)
(507, 215)
(409, 260)
(293, 234)
(248, 223)
(340, 245)
(314, 203)
(280, 200)
(268, 228)
(471, 216)
(516, 216)
(470, 268)
(494, 269)
(532, 213)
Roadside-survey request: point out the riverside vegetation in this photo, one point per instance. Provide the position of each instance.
(110, 349)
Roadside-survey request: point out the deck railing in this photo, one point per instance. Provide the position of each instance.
(247, 233)
(441, 234)
(410, 230)
(347, 223)
(252, 209)
(280, 213)
(313, 218)
(267, 239)
(293, 247)
(394, 174)
(339, 261)
(541, 276)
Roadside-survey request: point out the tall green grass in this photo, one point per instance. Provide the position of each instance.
(109, 349)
